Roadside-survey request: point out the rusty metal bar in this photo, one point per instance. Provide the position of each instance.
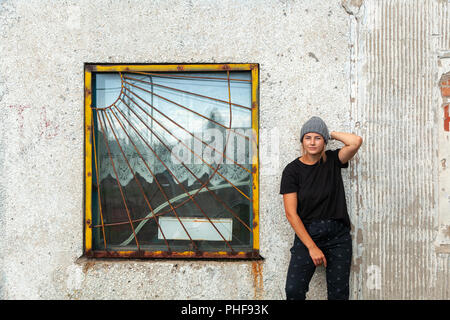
(180, 162)
(203, 184)
(229, 97)
(173, 102)
(215, 170)
(166, 68)
(254, 254)
(188, 92)
(181, 127)
(174, 211)
(181, 76)
(135, 178)
(190, 194)
(162, 142)
(98, 183)
(180, 184)
(118, 182)
(177, 104)
(179, 205)
(186, 108)
(146, 163)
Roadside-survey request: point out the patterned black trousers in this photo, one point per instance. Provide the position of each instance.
(334, 239)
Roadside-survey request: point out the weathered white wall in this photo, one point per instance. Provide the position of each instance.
(398, 107)
(442, 241)
(369, 67)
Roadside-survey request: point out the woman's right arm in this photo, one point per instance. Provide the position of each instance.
(290, 207)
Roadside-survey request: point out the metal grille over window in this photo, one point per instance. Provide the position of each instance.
(173, 160)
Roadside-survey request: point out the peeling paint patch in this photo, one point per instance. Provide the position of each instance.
(88, 265)
(357, 265)
(446, 119)
(352, 6)
(257, 273)
(359, 237)
(20, 109)
(447, 232)
(48, 128)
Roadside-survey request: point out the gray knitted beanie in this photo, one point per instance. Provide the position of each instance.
(316, 125)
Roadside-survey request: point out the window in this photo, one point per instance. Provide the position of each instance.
(171, 161)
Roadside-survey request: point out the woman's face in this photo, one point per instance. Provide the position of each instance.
(313, 143)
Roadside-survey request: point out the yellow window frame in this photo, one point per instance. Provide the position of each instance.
(89, 69)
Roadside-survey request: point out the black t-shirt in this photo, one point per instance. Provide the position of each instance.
(319, 187)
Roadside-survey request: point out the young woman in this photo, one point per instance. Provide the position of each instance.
(315, 206)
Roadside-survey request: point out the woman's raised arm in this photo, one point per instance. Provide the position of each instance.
(352, 143)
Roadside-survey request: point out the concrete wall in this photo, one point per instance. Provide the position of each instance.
(367, 67)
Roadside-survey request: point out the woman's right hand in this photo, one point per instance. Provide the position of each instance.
(290, 206)
(317, 256)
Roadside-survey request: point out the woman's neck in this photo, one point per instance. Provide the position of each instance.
(309, 158)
